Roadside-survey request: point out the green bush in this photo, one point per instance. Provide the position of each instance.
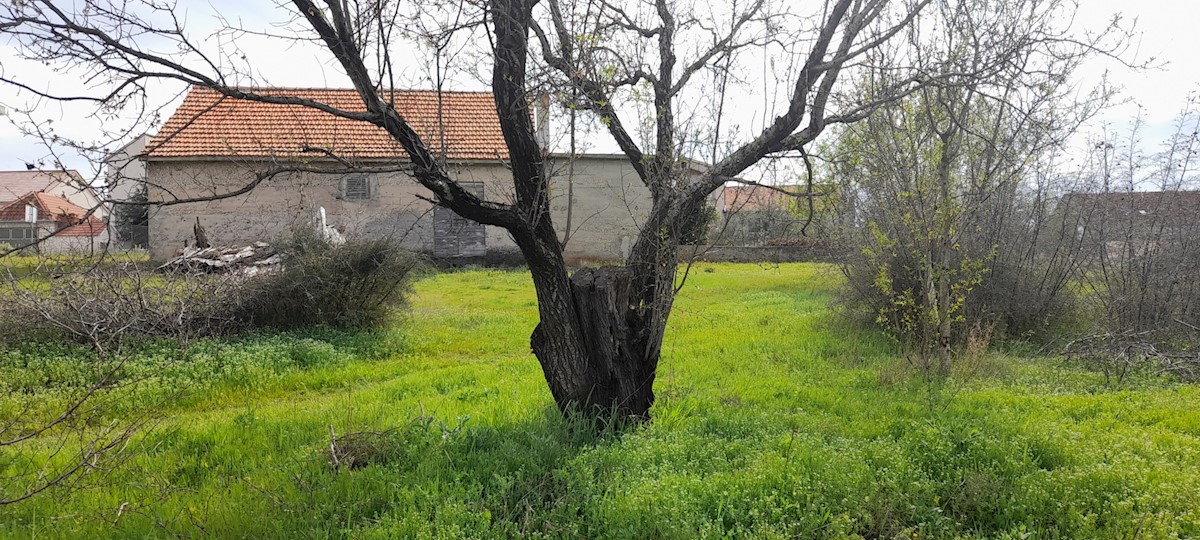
(359, 284)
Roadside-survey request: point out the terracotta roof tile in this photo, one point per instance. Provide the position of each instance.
(14, 184)
(209, 125)
(758, 198)
(56, 208)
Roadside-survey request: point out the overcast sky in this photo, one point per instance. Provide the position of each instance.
(1165, 31)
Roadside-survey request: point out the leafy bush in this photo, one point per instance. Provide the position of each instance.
(355, 285)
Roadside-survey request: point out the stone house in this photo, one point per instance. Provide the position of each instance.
(214, 145)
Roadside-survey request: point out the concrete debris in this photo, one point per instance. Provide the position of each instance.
(255, 259)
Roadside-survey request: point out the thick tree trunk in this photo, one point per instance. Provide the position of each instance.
(614, 378)
(601, 331)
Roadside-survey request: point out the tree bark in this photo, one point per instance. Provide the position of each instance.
(582, 339)
(600, 336)
(613, 379)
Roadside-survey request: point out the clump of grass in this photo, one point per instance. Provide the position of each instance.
(360, 448)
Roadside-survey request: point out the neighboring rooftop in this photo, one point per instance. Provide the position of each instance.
(15, 184)
(210, 125)
(753, 198)
(53, 208)
(1141, 205)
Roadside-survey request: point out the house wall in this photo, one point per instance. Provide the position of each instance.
(58, 245)
(77, 245)
(609, 205)
(123, 171)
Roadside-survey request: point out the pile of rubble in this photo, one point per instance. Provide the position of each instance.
(252, 260)
(257, 258)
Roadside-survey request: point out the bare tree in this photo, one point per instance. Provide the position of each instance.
(600, 333)
(943, 176)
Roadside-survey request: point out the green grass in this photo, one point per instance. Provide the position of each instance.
(774, 419)
(23, 264)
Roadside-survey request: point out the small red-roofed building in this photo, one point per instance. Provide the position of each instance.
(67, 184)
(52, 224)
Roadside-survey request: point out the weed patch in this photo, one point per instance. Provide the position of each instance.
(801, 426)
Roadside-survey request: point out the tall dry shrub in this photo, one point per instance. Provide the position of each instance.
(359, 284)
(1140, 225)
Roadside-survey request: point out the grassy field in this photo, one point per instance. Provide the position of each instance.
(774, 419)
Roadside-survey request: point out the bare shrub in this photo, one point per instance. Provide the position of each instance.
(1141, 275)
(1034, 254)
(1139, 228)
(107, 303)
(1120, 354)
(359, 284)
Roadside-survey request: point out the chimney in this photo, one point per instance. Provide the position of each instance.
(541, 119)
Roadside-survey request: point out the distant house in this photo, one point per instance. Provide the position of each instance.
(213, 145)
(66, 184)
(753, 198)
(125, 180)
(64, 226)
(1133, 223)
(758, 214)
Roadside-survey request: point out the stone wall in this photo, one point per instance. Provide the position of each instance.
(609, 205)
(748, 254)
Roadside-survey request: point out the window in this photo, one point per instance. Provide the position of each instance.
(356, 188)
(16, 236)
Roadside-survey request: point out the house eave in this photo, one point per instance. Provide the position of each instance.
(293, 159)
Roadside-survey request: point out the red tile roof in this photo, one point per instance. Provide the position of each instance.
(14, 184)
(758, 198)
(53, 207)
(209, 125)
